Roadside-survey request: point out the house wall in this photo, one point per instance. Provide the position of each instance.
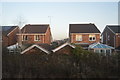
(31, 40)
(117, 40)
(65, 50)
(4, 40)
(48, 36)
(85, 38)
(11, 38)
(109, 37)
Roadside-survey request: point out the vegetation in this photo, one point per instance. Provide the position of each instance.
(80, 64)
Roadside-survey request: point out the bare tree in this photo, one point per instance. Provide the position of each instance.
(20, 21)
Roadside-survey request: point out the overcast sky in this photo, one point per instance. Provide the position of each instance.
(62, 14)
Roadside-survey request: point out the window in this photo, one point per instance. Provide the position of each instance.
(96, 51)
(37, 38)
(25, 37)
(78, 37)
(102, 38)
(102, 51)
(92, 38)
(108, 51)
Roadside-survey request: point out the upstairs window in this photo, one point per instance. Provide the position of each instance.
(78, 37)
(37, 38)
(25, 38)
(92, 38)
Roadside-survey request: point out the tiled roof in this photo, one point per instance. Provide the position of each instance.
(99, 45)
(43, 45)
(83, 28)
(7, 29)
(35, 28)
(114, 28)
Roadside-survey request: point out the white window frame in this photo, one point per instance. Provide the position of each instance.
(108, 37)
(24, 38)
(92, 36)
(78, 37)
(36, 39)
(102, 38)
(105, 50)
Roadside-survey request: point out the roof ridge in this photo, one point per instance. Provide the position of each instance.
(36, 24)
(82, 23)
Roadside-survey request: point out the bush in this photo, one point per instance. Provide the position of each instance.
(81, 64)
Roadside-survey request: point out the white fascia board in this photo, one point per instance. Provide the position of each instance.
(84, 33)
(31, 34)
(111, 30)
(58, 48)
(11, 31)
(35, 46)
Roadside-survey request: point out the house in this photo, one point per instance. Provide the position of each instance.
(65, 48)
(111, 36)
(100, 48)
(9, 35)
(36, 49)
(35, 34)
(84, 33)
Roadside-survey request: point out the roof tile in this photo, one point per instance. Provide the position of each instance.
(83, 28)
(32, 28)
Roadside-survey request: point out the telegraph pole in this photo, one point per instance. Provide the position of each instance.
(50, 25)
(21, 21)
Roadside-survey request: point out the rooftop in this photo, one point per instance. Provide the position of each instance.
(83, 28)
(7, 29)
(99, 45)
(114, 28)
(35, 28)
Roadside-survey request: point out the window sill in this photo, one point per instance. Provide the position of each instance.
(92, 40)
(77, 40)
(37, 40)
(24, 40)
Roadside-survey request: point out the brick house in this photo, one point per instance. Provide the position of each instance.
(111, 36)
(9, 35)
(84, 33)
(35, 34)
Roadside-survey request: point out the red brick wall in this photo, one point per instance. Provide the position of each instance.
(31, 40)
(4, 40)
(85, 38)
(117, 40)
(48, 36)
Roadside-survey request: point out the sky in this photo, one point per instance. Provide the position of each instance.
(60, 14)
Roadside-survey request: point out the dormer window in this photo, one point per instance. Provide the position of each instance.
(92, 38)
(37, 38)
(24, 38)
